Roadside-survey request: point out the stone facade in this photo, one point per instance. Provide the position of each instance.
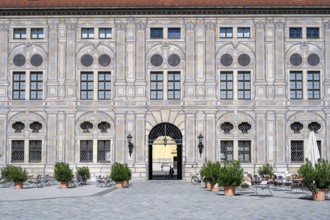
(269, 111)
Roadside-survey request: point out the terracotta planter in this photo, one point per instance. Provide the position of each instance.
(216, 188)
(210, 185)
(18, 185)
(119, 184)
(229, 190)
(64, 185)
(319, 195)
(125, 183)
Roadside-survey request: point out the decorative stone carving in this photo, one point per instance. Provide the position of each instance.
(121, 25)
(103, 126)
(209, 25)
(71, 25)
(297, 127)
(190, 25)
(314, 126)
(244, 127)
(227, 127)
(53, 25)
(4, 26)
(86, 126)
(260, 24)
(35, 127)
(18, 127)
(140, 24)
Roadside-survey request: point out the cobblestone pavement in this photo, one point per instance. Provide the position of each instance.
(157, 200)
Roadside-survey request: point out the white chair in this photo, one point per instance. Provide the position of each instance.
(263, 185)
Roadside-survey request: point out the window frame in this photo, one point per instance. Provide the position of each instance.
(246, 91)
(105, 34)
(157, 36)
(39, 82)
(293, 32)
(174, 82)
(21, 91)
(225, 82)
(20, 151)
(312, 36)
(295, 81)
(88, 150)
(36, 152)
(175, 34)
(87, 82)
(296, 151)
(244, 33)
(159, 92)
(20, 33)
(88, 33)
(224, 150)
(226, 32)
(39, 35)
(244, 152)
(314, 81)
(106, 150)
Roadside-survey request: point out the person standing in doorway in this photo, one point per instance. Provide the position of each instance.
(171, 172)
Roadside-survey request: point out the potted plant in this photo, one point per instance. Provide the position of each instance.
(230, 176)
(84, 173)
(128, 174)
(266, 171)
(206, 173)
(118, 174)
(16, 174)
(316, 178)
(63, 174)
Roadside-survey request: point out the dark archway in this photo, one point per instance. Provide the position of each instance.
(166, 130)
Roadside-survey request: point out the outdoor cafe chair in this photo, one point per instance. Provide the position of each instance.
(263, 185)
(4, 182)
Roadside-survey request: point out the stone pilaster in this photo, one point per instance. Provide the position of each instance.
(260, 138)
(209, 138)
(280, 83)
(3, 146)
(70, 142)
(327, 64)
(140, 145)
(191, 145)
(260, 83)
(120, 147)
(281, 146)
(4, 34)
(71, 80)
(51, 139)
(189, 80)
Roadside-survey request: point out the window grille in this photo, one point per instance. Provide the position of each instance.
(19, 85)
(173, 60)
(226, 32)
(104, 60)
(296, 85)
(226, 85)
(105, 33)
(226, 60)
(313, 33)
(86, 126)
(296, 127)
(244, 60)
(227, 127)
(244, 127)
(86, 60)
(86, 85)
(295, 59)
(37, 33)
(19, 33)
(156, 33)
(174, 85)
(313, 59)
(35, 127)
(156, 60)
(87, 33)
(36, 60)
(104, 126)
(86, 151)
(104, 86)
(227, 149)
(243, 83)
(295, 32)
(314, 126)
(297, 151)
(313, 84)
(17, 151)
(103, 150)
(243, 32)
(244, 151)
(18, 127)
(36, 81)
(174, 33)
(19, 60)
(156, 85)
(35, 151)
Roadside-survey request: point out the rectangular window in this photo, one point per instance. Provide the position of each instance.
(156, 33)
(244, 85)
(295, 32)
(297, 151)
(243, 32)
(174, 33)
(313, 84)
(226, 32)
(156, 85)
(244, 151)
(105, 33)
(17, 151)
(313, 33)
(227, 149)
(226, 85)
(19, 85)
(86, 151)
(103, 151)
(296, 85)
(35, 151)
(19, 33)
(104, 86)
(37, 33)
(36, 79)
(86, 85)
(319, 147)
(87, 33)
(174, 85)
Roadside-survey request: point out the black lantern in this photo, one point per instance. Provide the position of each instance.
(130, 145)
(200, 145)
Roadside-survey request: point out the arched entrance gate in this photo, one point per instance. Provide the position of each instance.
(166, 134)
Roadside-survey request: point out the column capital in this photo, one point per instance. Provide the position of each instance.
(140, 24)
(53, 25)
